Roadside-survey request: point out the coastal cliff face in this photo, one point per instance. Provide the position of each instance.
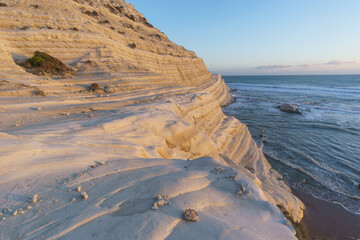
(111, 34)
(155, 128)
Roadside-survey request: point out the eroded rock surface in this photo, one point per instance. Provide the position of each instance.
(154, 119)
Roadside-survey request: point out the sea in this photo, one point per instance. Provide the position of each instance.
(317, 152)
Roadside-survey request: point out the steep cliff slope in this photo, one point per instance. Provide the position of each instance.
(113, 36)
(153, 127)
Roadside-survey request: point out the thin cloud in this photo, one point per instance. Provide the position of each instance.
(337, 62)
(273, 66)
(306, 66)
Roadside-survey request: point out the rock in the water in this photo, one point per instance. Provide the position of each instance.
(191, 215)
(289, 108)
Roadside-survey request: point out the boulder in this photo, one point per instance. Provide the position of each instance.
(289, 108)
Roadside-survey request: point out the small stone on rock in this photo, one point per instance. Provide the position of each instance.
(191, 215)
(160, 201)
(218, 170)
(15, 213)
(34, 198)
(22, 211)
(84, 196)
(242, 190)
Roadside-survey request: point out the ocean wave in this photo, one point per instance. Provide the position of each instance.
(334, 195)
(328, 127)
(296, 88)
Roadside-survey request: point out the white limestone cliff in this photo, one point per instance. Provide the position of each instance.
(157, 129)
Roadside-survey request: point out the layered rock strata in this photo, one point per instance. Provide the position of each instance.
(157, 128)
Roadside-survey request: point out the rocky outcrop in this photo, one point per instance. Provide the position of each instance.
(289, 108)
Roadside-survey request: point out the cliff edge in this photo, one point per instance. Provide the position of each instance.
(129, 138)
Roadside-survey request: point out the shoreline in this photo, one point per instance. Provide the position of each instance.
(325, 220)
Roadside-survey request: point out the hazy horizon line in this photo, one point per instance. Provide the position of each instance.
(320, 74)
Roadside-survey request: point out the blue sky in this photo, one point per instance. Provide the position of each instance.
(263, 36)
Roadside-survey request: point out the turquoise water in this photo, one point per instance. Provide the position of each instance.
(317, 152)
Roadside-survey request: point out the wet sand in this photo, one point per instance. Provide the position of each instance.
(325, 220)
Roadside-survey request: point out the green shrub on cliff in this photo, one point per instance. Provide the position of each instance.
(42, 63)
(36, 61)
(39, 58)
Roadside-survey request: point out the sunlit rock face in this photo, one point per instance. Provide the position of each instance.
(138, 117)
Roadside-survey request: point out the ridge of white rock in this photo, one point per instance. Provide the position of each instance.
(158, 126)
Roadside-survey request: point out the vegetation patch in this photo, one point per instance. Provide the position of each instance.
(132, 45)
(111, 8)
(128, 25)
(119, 9)
(42, 63)
(158, 36)
(145, 22)
(103, 22)
(3, 4)
(94, 87)
(114, 9)
(130, 16)
(39, 92)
